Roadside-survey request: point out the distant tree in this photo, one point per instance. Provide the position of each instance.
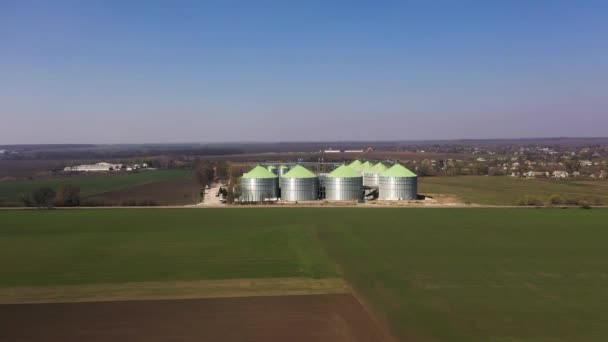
(423, 170)
(572, 165)
(68, 196)
(556, 199)
(233, 193)
(496, 171)
(480, 169)
(163, 162)
(204, 172)
(222, 170)
(530, 201)
(41, 198)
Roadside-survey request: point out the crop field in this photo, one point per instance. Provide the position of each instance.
(503, 190)
(90, 184)
(426, 274)
(169, 192)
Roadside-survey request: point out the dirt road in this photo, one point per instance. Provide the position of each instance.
(210, 200)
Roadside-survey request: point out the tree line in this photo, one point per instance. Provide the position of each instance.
(46, 197)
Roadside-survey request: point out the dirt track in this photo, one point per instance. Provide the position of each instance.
(333, 317)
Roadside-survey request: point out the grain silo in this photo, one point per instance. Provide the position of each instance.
(273, 169)
(258, 185)
(344, 184)
(398, 183)
(299, 184)
(355, 164)
(365, 167)
(372, 176)
(283, 169)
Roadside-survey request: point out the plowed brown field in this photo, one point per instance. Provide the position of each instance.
(332, 317)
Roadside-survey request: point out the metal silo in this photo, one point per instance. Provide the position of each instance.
(372, 176)
(344, 184)
(258, 185)
(273, 169)
(299, 184)
(365, 167)
(283, 169)
(355, 164)
(398, 183)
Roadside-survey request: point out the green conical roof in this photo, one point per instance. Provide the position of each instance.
(398, 170)
(299, 172)
(344, 172)
(355, 164)
(259, 172)
(366, 167)
(378, 168)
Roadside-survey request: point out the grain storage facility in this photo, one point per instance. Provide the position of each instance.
(355, 164)
(283, 170)
(365, 167)
(272, 169)
(372, 176)
(258, 185)
(344, 184)
(299, 184)
(398, 183)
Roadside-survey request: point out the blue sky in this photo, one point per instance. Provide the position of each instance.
(195, 71)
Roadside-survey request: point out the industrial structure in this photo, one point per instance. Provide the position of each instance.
(365, 167)
(99, 167)
(344, 184)
(398, 183)
(259, 185)
(283, 169)
(352, 182)
(355, 164)
(299, 184)
(371, 177)
(273, 169)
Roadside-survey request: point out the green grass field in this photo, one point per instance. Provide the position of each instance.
(432, 274)
(503, 190)
(90, 184)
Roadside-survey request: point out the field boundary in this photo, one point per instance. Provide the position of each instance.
(172, 290)
(362, 206)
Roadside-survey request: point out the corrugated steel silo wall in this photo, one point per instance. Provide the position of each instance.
(299, 189)
(258, 189)
(398, 188)
(371, 179)
(283, 170)
(343, 189)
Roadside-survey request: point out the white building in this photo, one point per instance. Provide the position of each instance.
(535, 174)
(99, 167)
(560, 174)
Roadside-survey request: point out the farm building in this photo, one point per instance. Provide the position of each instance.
(299, 184)
(398, 183)
(99, 167)
(344, 184)
(259, 185)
